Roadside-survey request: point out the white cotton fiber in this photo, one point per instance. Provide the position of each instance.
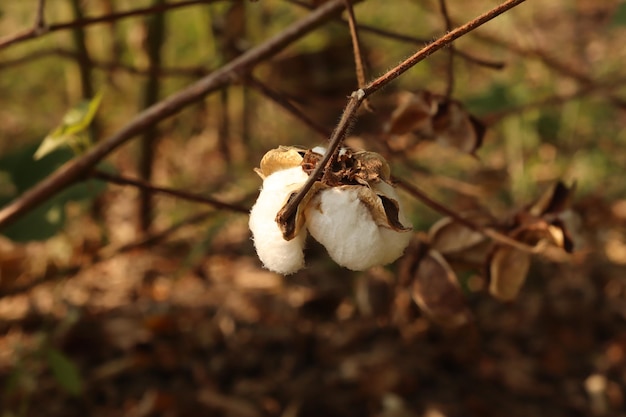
(344, 225)
(276, 253)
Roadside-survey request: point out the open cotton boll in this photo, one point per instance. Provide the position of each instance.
(276, 253)
(339, 220)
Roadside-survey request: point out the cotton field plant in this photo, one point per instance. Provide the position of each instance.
(356, 214)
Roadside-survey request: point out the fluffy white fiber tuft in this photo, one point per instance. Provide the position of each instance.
(344, 225)
(277, 254)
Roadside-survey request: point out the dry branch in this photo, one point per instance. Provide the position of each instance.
(151, 189)
(39, 28)
(357, 98)
(80, 167)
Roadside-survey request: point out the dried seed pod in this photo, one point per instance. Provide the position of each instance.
(553, 200)
(414, 113)
(507, 268)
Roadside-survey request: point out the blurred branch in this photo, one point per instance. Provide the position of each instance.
(409, 39)
(83, 60)
(142, 185)
(38, 31)
(356, 46)
(442, 209)
(38, 28)
(286, 105)
(357, 98)
(605, 87)
(40, 19)
(155, 39)
(189, 72)
(450, 63)
(78, 168)
(552, 62)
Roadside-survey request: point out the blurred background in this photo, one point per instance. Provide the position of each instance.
(117, 300)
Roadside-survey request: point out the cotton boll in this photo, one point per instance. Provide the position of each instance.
(276, 253)
(339, 220)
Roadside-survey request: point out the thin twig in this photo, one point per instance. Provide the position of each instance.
(438, 44)
(82, 58)
(410, 39)
(335, 141)
(558, 99)
(40, 19)
(360, 95)
(286, 105)
(553, 63)
(36, 31)
(187, 72)
(120, 180)
(78, 168)
(442, 209)
(450, 63)
(356, 45)
(151, 91)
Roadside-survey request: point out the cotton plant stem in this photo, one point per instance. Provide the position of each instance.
(356, 45)
(445, 40)
(357, 98)
(450, 63)
(79, 168)
(441, 209)
(335, 142)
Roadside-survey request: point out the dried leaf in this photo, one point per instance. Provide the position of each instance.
(507, 270)
(453, 126)
(434, 286)
(553, 200)
(449, 236)
(414, 112)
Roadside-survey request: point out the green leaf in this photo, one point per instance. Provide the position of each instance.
(68, 133)
(65, 371)
(619, 18)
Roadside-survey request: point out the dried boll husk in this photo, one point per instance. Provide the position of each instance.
(276, 253)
